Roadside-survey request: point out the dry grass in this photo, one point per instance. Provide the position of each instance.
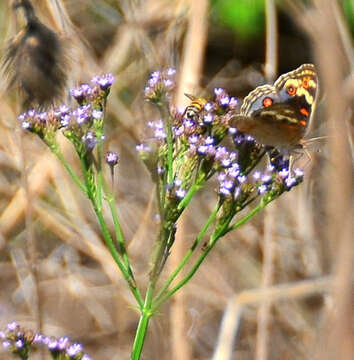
(58, 277)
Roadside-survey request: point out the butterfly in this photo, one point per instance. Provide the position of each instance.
(279, 115)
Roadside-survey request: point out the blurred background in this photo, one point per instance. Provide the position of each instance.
(57, 277)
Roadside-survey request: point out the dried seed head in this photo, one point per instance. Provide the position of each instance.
(35, 60)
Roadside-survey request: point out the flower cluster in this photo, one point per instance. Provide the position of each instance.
(19, 342)
(82, 125)
(205, 144)
(159, 85)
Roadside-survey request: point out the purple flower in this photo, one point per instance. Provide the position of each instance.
(224, 191)
(203, 149)
(74, 349)
(284, 173)
(65, 120)
(178, 182)
(208, 118)
(219, 91)
(38, 338)
(63, 342)
(159, 133)
(228, 184)
(43, 117)
(180, 193)
(233, 103)
(6, 344)
(232, 131)
(26, 125)
(299, 172)
(97, 114)
(262, 189)
(82, 114)
(290, 181)
(63, 109)
(168, 83)
(19, 344)
(257, 175)
(111, 158)
(52, 344)
(104, 81)
(90, 140)
(242, 179)
(188, 123)
(142, 148)
(12, 326)
(221, 152)
(194, 139)
(239, 139)
(178, 131)
(221, 176)
(85, 357)
(46, 340)
(266, 179)
(31, 113)
(208, 106)
(234, 170)
(81, 93)
(224, 101)
(170, 72)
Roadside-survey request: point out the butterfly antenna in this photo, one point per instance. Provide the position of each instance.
(308, 141)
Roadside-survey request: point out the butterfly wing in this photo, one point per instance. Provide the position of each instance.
(278, 115)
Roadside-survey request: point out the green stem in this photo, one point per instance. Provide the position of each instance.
(140, 334)
(99, 171)
(263, 203)
(68, 168)
(213, 239)
(188, 197)
(194, 269)
(109, 242)
(119, 233)
(169, 137)
(108, 239)
(189, 253)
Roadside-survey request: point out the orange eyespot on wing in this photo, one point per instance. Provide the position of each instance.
(304, 112)
(305, 84)
(291, 90)
(267, 102)
(303, 122)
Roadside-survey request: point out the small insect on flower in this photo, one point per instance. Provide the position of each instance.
(35, 60)
(194, 108)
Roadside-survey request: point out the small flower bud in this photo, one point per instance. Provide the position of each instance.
(112, 158)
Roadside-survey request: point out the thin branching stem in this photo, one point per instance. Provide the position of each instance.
(99, 171)
(213, 240)
(108, 239)
(169, 138)
(146, 314)
(55, 150)
(119, 233)
(189, 253)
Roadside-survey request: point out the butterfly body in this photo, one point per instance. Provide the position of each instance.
(278, 115)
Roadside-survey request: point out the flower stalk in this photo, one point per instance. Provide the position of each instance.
(187, 150)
